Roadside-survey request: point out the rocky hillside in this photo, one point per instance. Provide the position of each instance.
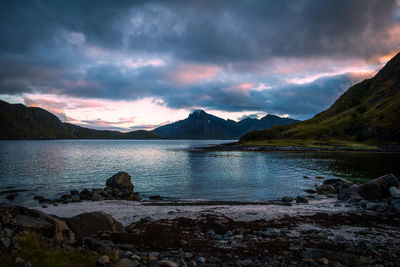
(201, 125)
(20, 122)
(368, 112)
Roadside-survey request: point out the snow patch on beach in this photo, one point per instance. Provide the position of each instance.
(127, 211)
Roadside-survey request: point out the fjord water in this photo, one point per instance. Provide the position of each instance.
(172, 169)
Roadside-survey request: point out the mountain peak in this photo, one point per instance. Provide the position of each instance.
(197, 113)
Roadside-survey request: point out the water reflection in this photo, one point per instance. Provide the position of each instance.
(166, 167)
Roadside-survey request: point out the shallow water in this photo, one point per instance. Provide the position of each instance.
(166, 167)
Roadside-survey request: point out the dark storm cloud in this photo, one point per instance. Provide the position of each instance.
(75, 48)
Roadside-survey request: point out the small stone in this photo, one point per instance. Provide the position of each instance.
(27, 264)
(374, 232)
(5, 242)
(103, 259)
(300, 199)
(324, 261)
(238, 237)
(11, 196)
(152, 257)
(188, 255)
(182, 243)
(135, 257)
(19, 260)
(156, 197)
(75, 198)
(201, 259)
(96, 196)
(306, 177)
(287, 199)
(44, 206)
(394, 192)
(167, 263)
(74, 192)
(319, 177)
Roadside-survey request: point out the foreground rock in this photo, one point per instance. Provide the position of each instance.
(89, 224)
(378, 188)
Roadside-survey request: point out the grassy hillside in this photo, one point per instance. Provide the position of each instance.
(367, 114)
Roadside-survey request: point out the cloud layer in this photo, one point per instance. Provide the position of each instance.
(285, 57)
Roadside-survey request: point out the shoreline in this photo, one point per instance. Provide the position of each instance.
(236, 146)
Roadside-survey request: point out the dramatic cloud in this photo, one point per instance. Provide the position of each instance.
(251, 57)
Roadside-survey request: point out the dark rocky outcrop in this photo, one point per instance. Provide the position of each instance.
(88, 224)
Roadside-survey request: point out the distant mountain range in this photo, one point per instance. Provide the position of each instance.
(201, 125)
(20, 122)
(368, 112)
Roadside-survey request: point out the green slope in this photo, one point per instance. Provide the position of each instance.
(368, 113)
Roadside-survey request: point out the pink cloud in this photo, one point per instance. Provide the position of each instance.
(191, 73)
(50, 105)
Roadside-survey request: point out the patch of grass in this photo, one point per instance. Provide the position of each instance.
(32, 251)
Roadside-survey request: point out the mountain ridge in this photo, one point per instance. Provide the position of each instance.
(18, 122)
(202, 125)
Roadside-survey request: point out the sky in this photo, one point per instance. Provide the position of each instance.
(130, 65)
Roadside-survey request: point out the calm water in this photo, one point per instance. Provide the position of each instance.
(167, 168)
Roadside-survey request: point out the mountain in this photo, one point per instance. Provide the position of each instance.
(201, 125)
(368, 112)
(20, 122)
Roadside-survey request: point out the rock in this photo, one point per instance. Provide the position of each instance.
(40, 222)
(27, 264)
(19, 260)
(66, 197)
(93, 244)
(300, 199)
(381, 208)
(324, 261)
(349, 192)
(74, 192)
(371, 206)
(103, 260)
(156, 197)
(201, 259)
(182, 243)
(62, 232)
(120, 180)
(37, 197)
(96, 196)
(152, 257)
(306, 177)
(310, 191)
(11, 196)
(88, 224)
(5, 242)
(84, 193)
(167, 263)
(287, 199)
(75, 198)
(319, 177)
(378, 188)
(394, 192)
(125, 262)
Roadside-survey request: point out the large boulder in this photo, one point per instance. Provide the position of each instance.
(24, 219)
(378, 188)
(120, 181)
(88, 224)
